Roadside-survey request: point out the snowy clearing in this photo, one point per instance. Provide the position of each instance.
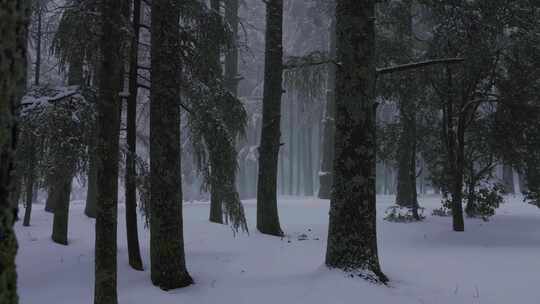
(494, 262)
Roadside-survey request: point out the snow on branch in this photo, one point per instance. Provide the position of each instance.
(416, 65)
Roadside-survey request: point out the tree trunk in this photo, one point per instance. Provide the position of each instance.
(13, 26)
(29, 184)
(61, 209)
(168, 266)
(109, 105)
(91, 192)
(352, 233)
(326, 175)
(38, 45)
(508, 179)
(216, 187)
(267, 211)
(134, 253)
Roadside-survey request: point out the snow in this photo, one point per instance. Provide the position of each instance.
(493, 262)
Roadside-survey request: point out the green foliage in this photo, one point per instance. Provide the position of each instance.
(76, 38)
(484, 202)
(54, 133)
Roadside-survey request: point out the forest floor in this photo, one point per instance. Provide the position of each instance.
(495, 262)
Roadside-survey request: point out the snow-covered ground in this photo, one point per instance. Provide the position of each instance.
(496, 262)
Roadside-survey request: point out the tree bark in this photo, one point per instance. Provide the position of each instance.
(267, 211)
(30, 185)
(38, 44)
(109, 105)
(61, 209)
(168, 267)
(91, 192)
(13, 26)
(134, 253)
(352, 233)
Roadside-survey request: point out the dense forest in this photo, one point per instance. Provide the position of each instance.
(135, 131)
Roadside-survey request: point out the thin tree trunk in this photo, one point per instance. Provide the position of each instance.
(134, 253)
(216, 185)
(109, 105)
(29, 184)
(168, 266)
(91, 192)
(508, 179)
(352, 233)
(38, 45)
(267, 211)
(326, 175)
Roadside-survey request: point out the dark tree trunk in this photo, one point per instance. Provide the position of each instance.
(91, 192)
(267, 211)
(61, 209)
(232, 78)
(326, 175)
(406, 184)
(13, 26)
(134, 253)
(109, 105)
(216, 188)
(168, 266)
(38, 44)
(352, 233)
(30, 185)
(508, 179)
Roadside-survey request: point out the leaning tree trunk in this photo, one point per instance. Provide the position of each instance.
(168, 266)
(13, 26)
(327, 163)
(352, 233)
(134, 253)
(267, 211)
(108, 108)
